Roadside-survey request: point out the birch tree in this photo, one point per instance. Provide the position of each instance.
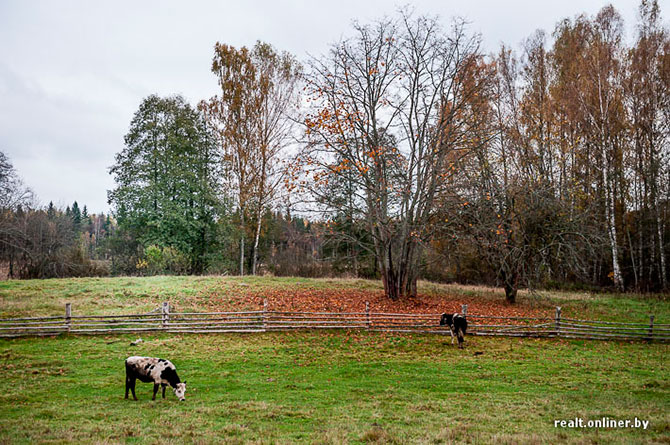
(647, 104)
(252, 119)
(597, 89)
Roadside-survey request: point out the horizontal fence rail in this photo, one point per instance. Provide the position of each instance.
(163, 320)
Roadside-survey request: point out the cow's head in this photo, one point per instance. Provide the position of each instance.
(447, 320)
(180, 391)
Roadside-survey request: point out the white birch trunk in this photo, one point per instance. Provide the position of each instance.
(611, 228)
(659, 227)
(242, 243)
(256, 239)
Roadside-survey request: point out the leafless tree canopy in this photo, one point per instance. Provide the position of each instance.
(390, 112)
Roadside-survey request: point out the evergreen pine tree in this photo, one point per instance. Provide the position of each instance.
(76, 216)
(51, 210)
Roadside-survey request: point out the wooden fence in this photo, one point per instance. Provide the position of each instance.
(163, 320)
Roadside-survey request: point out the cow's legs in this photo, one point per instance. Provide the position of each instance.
(130, 384)
(451, 331)
(164, 386)
(127, 380)
(156, 385)
(130, 381)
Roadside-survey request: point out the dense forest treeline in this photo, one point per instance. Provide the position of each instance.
(404, 152)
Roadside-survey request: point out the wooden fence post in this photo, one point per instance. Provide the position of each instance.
(558, 321)
(367, 314)
(464, 311)
(265, 313)
(68, 316)
(651, 327)
(165, 310)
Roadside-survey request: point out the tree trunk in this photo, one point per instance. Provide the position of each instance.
(413, 267)
(391, 288)
(632, 260)
(400, 276)
(510, 293)
(412, 286)
(389, 278)
(659, 230)
(197, 261)
(396, 288)
(242, 243)
(611, 227)
(256, 239)
(511, 284)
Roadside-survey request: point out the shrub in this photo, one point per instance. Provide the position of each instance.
(162, 260)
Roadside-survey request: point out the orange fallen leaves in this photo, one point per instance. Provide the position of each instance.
(353, 300)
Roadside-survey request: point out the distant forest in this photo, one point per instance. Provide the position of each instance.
(404, 153)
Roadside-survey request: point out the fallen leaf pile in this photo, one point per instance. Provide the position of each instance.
(353, 300)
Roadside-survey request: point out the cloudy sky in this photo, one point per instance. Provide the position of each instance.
(73, 72)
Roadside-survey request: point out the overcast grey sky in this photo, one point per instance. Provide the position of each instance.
(72, 73)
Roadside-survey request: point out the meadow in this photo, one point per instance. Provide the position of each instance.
(139, 294)
(324, 387)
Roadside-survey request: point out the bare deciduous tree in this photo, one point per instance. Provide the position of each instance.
(390, 106)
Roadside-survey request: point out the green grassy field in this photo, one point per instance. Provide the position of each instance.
(324, 387)
(337, 388)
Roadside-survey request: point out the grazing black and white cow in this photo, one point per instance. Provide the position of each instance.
(153, 370)
(457, 325)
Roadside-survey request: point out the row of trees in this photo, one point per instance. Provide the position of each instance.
(49, 242)
(574, 184)
(551, 166)
(46, 242)
(414, 155)
(194, 180)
